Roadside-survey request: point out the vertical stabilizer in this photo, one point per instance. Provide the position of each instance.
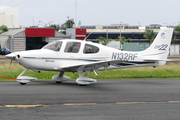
(159, 49)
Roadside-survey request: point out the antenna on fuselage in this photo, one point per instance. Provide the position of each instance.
(87, 36)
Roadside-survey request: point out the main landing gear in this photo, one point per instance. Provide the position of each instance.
(60, 78)
(84, 80)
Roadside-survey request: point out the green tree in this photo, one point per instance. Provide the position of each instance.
(62, 28)
(155, 25)
(3, 29)
(149, 34)
(122, 40)
(103, 40)
(177, 29)
(68, 24)
(173, 38)
(56, 26)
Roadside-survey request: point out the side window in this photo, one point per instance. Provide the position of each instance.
(90, 49)
(72, 47)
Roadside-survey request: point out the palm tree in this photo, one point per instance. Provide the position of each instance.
(122, 40)
(3, 29)
(103, 40)
(149, 34)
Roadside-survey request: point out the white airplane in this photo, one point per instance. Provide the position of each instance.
(81, 56)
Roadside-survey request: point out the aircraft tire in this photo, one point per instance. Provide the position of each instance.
(82, 84)
(58, 82)
(23, 83)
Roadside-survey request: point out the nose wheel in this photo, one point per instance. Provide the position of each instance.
(25, 79)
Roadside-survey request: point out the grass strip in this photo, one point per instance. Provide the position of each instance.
(169, 70)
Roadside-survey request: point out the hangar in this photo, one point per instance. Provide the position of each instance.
(31, 38)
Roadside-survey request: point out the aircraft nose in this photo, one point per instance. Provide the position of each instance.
(13, 56)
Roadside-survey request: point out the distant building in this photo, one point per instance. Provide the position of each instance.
(33, 38)
(134, 33)
(76, 33)
(9, 16)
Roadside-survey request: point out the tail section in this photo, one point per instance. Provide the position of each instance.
(159, 49)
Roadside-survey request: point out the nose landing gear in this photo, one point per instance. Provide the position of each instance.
(25, 79)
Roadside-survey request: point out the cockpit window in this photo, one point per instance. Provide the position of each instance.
(55, 46)
(90, 49)
(72, 47)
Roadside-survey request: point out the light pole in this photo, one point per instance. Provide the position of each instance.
(12, 43)
(106, 32)
(50, 22)
(45, 24)
(120, 35)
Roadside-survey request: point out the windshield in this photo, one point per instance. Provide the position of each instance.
(55, 46)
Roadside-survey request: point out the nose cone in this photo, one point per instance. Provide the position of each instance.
(11, 56)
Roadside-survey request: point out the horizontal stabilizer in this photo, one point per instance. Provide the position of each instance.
(156, 59)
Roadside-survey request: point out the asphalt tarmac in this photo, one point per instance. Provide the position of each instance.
(106, 100)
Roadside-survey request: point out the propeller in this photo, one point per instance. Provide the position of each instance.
(11, 56)
(10, 64)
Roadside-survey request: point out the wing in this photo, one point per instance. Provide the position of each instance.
(93, 66)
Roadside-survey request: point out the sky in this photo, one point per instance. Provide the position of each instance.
(97, 12)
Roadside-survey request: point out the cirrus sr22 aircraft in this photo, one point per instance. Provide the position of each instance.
(81, 56)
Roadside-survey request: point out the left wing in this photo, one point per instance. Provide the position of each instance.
(93, 66)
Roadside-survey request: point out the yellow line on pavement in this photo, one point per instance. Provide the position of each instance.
(80, 104)
(130, 102)
(23, 106)
(146, 102)
(74, 104)
(174, 101)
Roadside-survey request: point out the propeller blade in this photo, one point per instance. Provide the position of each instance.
(10, 64)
